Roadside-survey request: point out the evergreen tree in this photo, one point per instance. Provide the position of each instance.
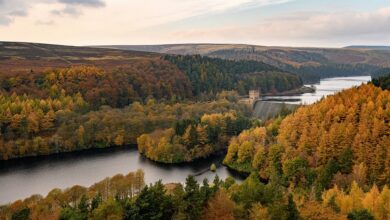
(192, 199)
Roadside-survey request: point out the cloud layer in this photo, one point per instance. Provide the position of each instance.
(11, 9)
(300, 27)
(283, 22)
(150, 11)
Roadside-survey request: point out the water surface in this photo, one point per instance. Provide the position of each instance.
(23, 177)
(325, 87)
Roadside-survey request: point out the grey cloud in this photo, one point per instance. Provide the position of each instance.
(87, 3)
(71, 11)
(11, 9)
(19, 13)
(5, 20)
(68, 10)
(303, 28)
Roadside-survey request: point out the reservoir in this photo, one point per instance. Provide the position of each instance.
(24, 177)
(325, 87)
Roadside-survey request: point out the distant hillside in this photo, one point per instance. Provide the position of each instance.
(295, 56)
(118, 77)
(310, 63)
(20, 56)
(368, 47)
(102, 76)
(210, 75)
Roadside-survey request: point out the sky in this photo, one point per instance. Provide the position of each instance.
(309, 23)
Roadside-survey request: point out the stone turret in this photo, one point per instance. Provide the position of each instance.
(253, 96)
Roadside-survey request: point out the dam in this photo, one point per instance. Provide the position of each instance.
(270, 106)
(265, 109)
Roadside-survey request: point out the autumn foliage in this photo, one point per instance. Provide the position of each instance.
(191, 139)
(353, 123)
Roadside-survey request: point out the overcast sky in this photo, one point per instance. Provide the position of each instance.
(322, 23)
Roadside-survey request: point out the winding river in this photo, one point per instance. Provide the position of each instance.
(23, 177)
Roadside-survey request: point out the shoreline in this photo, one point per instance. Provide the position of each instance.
(299, 91)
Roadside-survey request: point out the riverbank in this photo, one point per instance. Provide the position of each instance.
(299, 91)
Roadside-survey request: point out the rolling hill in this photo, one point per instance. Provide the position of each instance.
(310, 63)
(365, 47)
(21, 57)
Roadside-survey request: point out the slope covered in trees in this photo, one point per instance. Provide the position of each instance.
(348, 128)
(380, 72)
(247, 151)
(382, 81)
(31, 127)
(156, 79)
(211, 75)
(190, 139)
(118, 77)
(66, 109)
(311, 64)
(341, 139)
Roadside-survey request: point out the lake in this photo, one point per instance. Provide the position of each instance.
(325, 87)
(23, 177)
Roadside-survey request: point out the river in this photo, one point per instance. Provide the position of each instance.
(23, 177)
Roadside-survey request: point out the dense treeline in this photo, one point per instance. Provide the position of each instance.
(148, 79)
(29, 129)
(351, 127)
(310, 64)
(313, 73)
(25, 122)
(168, 78)
(330, 142)
(380, 72)
(37, 127)
(127, 197)
(102, 200)
(332, 155)
(192, 138)
(247, 152)
(372, 204)
(382, 81)
(212, 75)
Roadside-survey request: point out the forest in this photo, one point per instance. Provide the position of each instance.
(212, 75)
(60, 110)
(328, 160)
(31, 127)
(333, 154)
(190, 139)
(380, 72)
(313, 73)
(331, 138)
(381, 78)
(128, 197)
(148, 79)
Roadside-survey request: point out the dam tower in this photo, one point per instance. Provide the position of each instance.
(254, 95)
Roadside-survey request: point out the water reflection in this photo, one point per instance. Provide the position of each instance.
(326, 87)
(24, 177)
